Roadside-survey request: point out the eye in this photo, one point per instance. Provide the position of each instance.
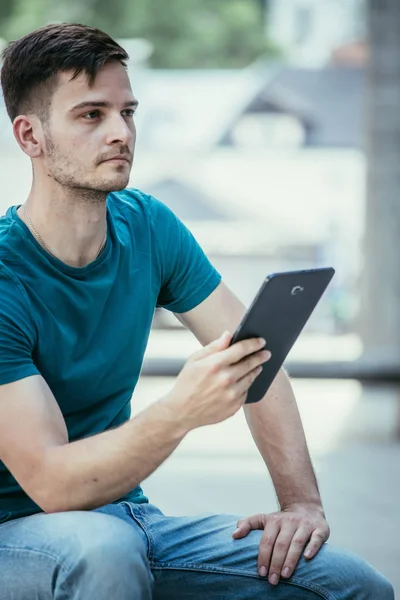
(129, 112)
(90, 116)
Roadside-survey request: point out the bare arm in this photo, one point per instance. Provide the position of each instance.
(94, 471)
(277, 430)
(83, 474)
(274, 421)
(275, 424)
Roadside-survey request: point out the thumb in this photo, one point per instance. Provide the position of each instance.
(244, 526)
(243, 529)
(215, 346)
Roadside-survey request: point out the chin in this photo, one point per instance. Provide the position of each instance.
(120, 185)
(112, 186)
(118, 189)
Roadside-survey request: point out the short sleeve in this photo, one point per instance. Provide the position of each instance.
(187, 277)
(17, 333)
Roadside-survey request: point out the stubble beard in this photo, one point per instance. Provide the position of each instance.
(70, 175)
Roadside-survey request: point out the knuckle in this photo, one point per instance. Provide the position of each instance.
(275, 518)
(213, 367)
(230, 395)
(257, 360)
(266, 542)
(226, 379)
(294, 520)
(299, 542)
(281, 545)
(252, 345)
(248, 347)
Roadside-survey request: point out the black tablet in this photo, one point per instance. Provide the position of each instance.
(278, 314)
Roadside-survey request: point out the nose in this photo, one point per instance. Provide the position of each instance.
(120, 131)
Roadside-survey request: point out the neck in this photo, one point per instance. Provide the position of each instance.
(68, 222)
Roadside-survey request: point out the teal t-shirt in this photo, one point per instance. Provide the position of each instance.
(85, 330)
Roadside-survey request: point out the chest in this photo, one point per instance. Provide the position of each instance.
(92, 334)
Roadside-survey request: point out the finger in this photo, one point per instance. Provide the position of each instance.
(281, 548)
(215, 346)
(244, 526)
(242, 399)
(318, 538)
(300, 539)
(240, 350)
(243, 385)
(266, 547)
(246, 365)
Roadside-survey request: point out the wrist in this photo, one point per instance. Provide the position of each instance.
(314, 504)
(173, 415)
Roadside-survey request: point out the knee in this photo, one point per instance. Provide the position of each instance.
(106, 541)
(352, 578)
(368, 583)
(101, 553)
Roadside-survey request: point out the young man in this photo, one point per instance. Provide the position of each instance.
(83, 264)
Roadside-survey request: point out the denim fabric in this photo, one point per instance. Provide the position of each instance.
(133, 551)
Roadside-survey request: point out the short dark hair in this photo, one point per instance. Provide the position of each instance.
(31, 65)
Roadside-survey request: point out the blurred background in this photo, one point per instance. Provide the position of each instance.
(272, 129)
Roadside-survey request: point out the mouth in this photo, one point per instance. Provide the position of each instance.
(118, 159)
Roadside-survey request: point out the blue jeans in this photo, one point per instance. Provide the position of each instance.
(134, 552)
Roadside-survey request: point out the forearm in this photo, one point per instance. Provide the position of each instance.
(94, 471)
(278, 433)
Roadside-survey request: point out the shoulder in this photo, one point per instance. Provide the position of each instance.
(10, 238)
(11, 287)
(16, 320)
(7, 225)
(14, 304)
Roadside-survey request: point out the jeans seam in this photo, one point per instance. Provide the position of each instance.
(41, 553)
(294, 581)
(141, 521)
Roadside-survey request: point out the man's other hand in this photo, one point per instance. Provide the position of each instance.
(298, 528)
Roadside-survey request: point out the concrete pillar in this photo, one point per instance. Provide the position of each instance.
(380, 302)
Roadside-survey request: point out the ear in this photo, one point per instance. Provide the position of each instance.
(28, 132)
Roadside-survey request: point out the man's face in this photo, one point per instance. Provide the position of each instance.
(87, 126)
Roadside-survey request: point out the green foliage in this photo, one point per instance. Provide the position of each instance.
(184, 33)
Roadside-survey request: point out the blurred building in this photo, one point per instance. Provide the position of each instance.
(265, 166)
(308, 31)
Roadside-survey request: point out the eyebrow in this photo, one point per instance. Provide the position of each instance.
(102, 104)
